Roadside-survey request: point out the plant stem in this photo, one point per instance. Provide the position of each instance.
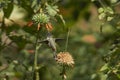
(66, 44)
(37, 77)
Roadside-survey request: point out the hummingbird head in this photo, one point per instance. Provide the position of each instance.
(49, 35)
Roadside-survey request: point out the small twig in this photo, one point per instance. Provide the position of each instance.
(101, 28)
(67, 38)
(102, 4)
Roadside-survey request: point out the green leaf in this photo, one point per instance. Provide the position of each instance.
(92, 0)
(109, 18)
(109, 10)
(63, 21)
(52, 10)
(12, 28)
(100, 10)
(30, 30)
(113, 1)
(102, 16)
(26, 4)
(104, 67)
(118, 75)
(19, 40)
(8, 10)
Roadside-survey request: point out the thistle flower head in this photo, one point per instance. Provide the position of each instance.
(64, 58)
(40, 18)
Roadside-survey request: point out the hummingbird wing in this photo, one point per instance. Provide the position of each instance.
(58, 39)
(43, 41)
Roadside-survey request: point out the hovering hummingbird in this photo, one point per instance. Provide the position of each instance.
(51, 42)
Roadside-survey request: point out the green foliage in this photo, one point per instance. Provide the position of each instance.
(52, 10)
(96, 54)
(111, 67)
(105, 13)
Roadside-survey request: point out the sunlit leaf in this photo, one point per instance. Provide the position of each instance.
(104, 67)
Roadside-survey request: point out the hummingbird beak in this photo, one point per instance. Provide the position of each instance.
(54, 55)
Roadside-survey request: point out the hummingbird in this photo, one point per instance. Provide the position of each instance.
(51, 41)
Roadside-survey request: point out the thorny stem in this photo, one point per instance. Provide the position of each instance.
(63, 73)
(37, 77)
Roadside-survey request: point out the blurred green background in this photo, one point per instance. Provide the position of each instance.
(86, 43)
